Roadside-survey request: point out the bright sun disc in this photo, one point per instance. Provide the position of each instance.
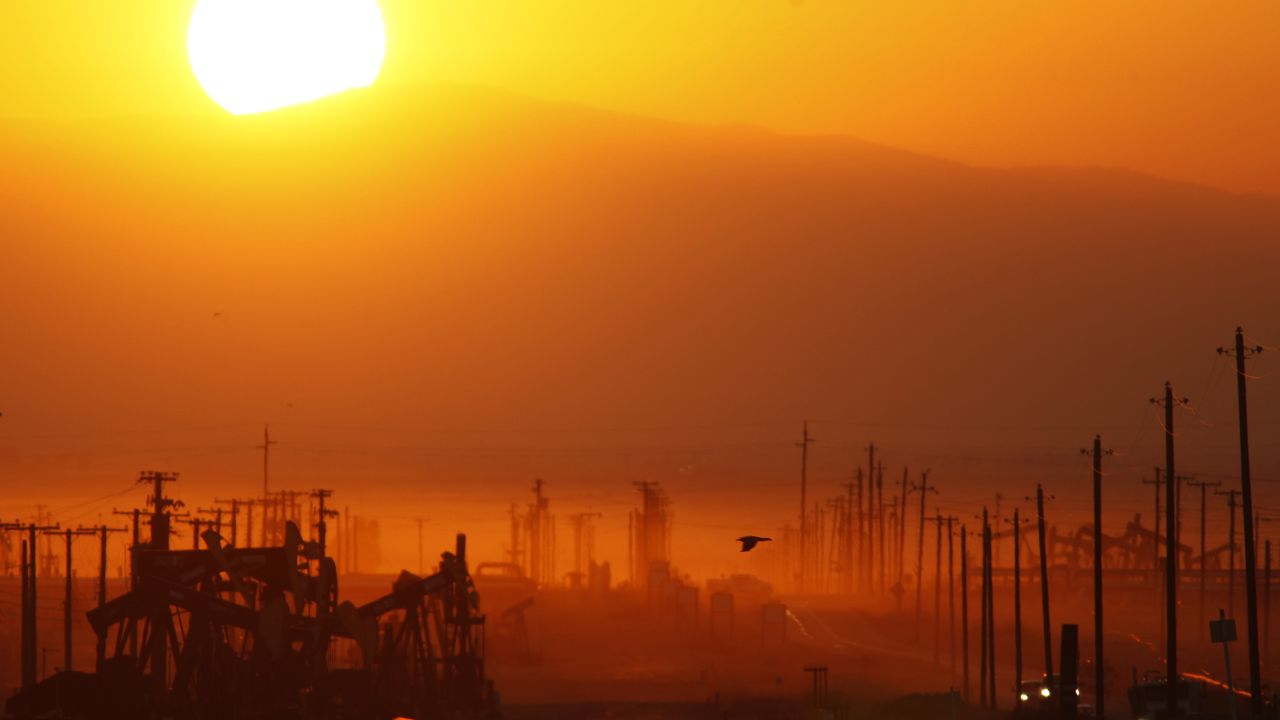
(256, 55)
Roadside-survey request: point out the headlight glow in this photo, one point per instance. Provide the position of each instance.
(1044, 692)
(1023, 697)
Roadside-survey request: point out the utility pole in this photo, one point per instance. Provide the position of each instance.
(101, 531)
(1266, 608)
(1098, 675)
(162, 508)
(924, 488)
(1044, 582)
(951, 593)
(937, 588)
(895, 519)
(1231, 496)
(30, 559)
(857, 512)
(964, 610)
(865, 557)
(902, 527)
(248, 520)
(880, 521)
(1250, 551)
(804, 499)
(194, 522)
(70, 535)
(134, 515)
(236, 504)
(1158, 482)
(1017, 600)
(1204, 486)
(982, 613)
(265, 447)
(322, 525)
(583, 544)
(1171, 561)
(846, 539)
(214, 525)
(991, 611)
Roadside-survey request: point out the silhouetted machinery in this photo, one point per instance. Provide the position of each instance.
(225, 633)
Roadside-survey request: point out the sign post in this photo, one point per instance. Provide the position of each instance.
(1223, 630)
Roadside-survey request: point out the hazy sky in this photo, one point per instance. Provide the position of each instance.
(441, 294)
(1186, 90)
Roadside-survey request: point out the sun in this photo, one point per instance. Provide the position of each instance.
(251, 56)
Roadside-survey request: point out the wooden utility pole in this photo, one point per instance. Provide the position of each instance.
(937, 590)
(1246, 495)
(135, 516)
(991, 612)
(964, 611)
(1044, 582)
(804, 500)
(236, 504)
(101, 531)
(1231, 496)
(951, 594)
(1266, 609)
(858, 568)
(70, 535)
(902, 527)
(1204, 486)
(1158, 482)
(924, 488)
(880, 522)
(583, 545)
(1017, 601)
(161, 510)
(865, 549)
(270, 524)
(846, 539)
(265, 447)
(322, 524)
(982, 613)
(1098, 675)
(1172, 678)
(29, 560)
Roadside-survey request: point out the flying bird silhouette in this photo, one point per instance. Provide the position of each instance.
(750, 541)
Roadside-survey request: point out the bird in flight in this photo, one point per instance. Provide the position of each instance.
(750, 541)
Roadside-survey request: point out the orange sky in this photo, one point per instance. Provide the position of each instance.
(1185, 90)
(443, 294)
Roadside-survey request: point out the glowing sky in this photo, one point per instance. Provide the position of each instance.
(1185, 90)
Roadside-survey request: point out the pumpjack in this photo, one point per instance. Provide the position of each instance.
(256, 633)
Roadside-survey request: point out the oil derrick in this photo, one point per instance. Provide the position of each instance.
(540, 531)
(246, 632)
(584, 546)
(651, 532)
(515, 550)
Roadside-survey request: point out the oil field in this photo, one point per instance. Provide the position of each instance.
(662, 360)
(257, 607)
